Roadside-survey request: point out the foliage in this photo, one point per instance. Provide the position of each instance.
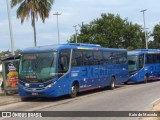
(18, 51)
(111, 31)
(156, 35)
(33, 8)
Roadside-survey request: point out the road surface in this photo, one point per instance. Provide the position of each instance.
(133, 97)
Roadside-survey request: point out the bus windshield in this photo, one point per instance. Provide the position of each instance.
(37, 67)
(135, 62)
(132, 63)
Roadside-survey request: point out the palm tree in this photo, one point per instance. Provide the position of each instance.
(33, 8)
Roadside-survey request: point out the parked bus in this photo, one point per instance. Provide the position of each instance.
(56, 70)
(144, 65)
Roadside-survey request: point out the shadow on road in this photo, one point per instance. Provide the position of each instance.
(138, 83)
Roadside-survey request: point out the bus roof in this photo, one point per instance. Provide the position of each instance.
(82, 46)
(143, 51)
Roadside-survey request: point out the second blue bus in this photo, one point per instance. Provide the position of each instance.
(144, 65)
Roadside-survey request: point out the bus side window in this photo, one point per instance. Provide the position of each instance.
(141, 61)
(106, 56)
(98, 58)
(63, 61)
(122, 57)
(88, 57)
(77, 58)
(158, 58)
(150, 58)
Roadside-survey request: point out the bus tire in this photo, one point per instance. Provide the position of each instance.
(24, 99)
(74, 90)
(125, 83)
(112, 84)
(146, 78)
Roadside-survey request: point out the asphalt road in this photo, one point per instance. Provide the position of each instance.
(133, 97)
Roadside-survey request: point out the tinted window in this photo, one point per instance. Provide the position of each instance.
(106, 56)
(98, 57)
(115, 57)
(77, 58)
(141, 61)
(122, 57)
(88, 57)
(158, 58)
(150, 58)
(63, 61)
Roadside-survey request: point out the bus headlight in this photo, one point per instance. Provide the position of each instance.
(50, 85)
(133, 75)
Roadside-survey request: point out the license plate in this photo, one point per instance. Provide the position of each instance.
(34, 93)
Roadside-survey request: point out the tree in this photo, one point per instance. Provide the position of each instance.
(133, 37)
(33, 8)
(111, 31)
(156, 35)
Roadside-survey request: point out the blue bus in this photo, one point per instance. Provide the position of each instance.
(144, 65)
(51, 71)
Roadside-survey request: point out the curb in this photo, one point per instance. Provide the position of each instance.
(156, 102)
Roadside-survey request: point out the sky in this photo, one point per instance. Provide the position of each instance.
(73, 12)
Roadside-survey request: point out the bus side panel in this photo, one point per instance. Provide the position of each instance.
(89, 76)
(156, 72)
(92, 76)
(137, 77)
(79, 74)
(123, 74)
(119, 71)
(153, 71)
(99, 76)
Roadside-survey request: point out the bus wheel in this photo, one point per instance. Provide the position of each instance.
(126, 82)
(145, 78)
(112, 84)
(74, 90)
(23, 99)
